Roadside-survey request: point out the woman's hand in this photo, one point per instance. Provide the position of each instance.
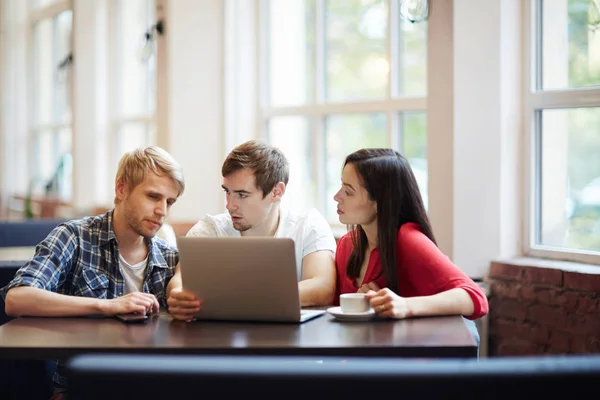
(388, 304)
(365, 288)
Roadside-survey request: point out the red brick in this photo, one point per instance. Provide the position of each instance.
(586, 324)
(559, 343)
(588, 303)
(504, 289)
(508, 329)
(547, 316)
(537, 294)
(595, 344)
(539, 334)
(505, 271)
(568, 300)
(517, 348)
(507, 308)
(579, 281)
(546, 276)
(582, 344)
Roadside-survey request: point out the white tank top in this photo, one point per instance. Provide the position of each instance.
(133, 275)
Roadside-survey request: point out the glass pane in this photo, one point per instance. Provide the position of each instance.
(570, 43)
(569, 199)
(414, 147)
(290, 44)
(53, 164)
(33, 4)
(412, 59)
(344, 135)
(132, 135)
(62, 32)
(293, 136)
(46, 161)
(44, 70)
(136, 78)
(65, 182)
(356, 62)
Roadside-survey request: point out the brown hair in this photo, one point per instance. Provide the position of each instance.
(135, 164)
(267, 162)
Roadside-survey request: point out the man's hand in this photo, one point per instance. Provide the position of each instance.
(183, 304)
(136, 302)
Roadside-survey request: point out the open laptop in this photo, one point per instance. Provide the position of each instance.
(243, 279)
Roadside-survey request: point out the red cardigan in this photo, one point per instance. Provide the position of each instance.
(423, 270)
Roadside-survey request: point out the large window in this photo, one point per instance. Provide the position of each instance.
(50, 88)
(337, 76)
(563, 123)
(133, 68)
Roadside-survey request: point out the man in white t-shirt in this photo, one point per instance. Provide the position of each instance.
(255, 176)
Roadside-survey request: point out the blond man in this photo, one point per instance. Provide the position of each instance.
(108, 264)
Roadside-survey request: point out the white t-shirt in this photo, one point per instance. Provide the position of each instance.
(133, 275)
(309, 230)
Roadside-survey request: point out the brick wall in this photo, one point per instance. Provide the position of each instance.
(536, 310)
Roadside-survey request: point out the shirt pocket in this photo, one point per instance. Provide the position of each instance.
(92, 284)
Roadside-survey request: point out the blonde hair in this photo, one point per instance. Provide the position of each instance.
(135, 164)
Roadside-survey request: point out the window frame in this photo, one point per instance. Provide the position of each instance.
(35, 128)
(318, 109)
(535, 100)
(116, 118)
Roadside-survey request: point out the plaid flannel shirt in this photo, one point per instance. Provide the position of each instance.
(81, 258)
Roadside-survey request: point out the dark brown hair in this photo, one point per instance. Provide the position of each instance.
(267, 162)
(388, 178)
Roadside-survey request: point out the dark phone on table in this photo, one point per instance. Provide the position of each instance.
(132, 318)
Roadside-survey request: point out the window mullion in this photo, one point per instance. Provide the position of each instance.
(393, 41)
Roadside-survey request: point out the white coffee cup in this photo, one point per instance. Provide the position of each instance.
(354, 303)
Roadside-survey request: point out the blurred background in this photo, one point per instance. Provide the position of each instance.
(495, 103)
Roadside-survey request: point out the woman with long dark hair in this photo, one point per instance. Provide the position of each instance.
(390, 252)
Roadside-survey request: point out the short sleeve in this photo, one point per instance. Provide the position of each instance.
(204, 228)
(317, 234)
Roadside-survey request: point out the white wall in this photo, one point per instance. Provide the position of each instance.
(13, 117)
(475, 130)
(91, 176)
(195, 71)
(487, 131)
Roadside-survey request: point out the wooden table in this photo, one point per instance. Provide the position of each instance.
(50, 338)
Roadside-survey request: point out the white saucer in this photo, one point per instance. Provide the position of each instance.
(342, 316)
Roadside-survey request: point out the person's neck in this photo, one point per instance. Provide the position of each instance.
(128, 240)
(371, 232)
(269, 226)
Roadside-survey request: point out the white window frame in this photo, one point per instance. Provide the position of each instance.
(320, 109)
(116, 120)
(35, 16)
(536, 100)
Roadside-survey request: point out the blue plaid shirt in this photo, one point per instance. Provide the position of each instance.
(81, 258)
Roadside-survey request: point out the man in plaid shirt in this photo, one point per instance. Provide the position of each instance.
(108, 264)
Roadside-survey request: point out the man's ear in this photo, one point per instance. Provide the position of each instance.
(278, 191)
(120, 190)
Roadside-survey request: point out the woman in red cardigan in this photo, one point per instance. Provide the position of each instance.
(390, 253)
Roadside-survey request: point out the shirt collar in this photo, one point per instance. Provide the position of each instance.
(155, 245)
(107, 231)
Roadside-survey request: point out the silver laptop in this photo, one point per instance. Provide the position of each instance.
(243, 279)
